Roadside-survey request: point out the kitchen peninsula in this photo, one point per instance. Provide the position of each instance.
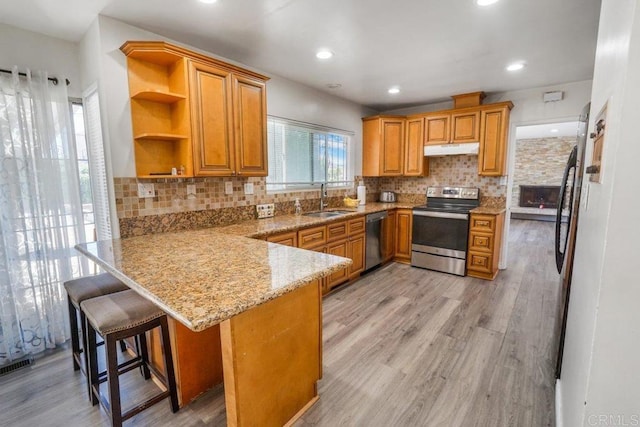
(264, 298)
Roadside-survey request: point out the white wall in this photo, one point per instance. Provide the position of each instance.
(35, 51)
(601, 364)
(284, 98)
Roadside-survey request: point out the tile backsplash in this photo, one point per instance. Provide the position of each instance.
(456, 171)
(172, 210)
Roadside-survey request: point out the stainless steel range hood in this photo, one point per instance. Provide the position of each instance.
(470, 149)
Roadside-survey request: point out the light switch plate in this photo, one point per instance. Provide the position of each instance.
(146, 190)
(228, 187)
(266, 210)
(191, 189)
(248, 188)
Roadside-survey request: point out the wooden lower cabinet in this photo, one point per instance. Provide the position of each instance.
(389, 236)
(339, 248)
(355, 251)
(485, 240)
(404, 223)
(286, 239)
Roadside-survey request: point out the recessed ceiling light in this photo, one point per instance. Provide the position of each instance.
(324, 54)
(394, 90)
(515, 66)
(554, 131)
(485, 2)
(208, 1)
(334, 85)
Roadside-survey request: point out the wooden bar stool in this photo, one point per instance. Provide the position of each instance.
(116, 317)
(79, 290)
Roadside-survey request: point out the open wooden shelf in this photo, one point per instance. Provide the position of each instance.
(159, 136)
(158, 96)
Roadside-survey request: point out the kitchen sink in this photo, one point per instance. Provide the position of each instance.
(327, 214)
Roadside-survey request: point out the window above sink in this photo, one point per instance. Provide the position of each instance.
(304, 155)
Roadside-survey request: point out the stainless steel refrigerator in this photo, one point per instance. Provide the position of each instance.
(566, 227)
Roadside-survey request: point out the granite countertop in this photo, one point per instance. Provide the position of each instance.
(261, 228)
(488, 210)
(203, 277)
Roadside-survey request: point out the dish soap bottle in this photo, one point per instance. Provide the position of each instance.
(361, 191)
(298, 207)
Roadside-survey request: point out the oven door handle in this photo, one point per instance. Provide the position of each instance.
(441, 214)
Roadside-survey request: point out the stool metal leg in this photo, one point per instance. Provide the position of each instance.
(168, 362)
(113, 380)
(144, 354)
(75, 339)
(92, 364)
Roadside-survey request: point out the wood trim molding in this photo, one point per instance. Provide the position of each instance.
(170, 49)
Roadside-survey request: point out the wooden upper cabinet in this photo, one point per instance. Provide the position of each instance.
(211, 120)
(493, 140)
(415, 163)
(250, 118)
(452, 127)
(465, 127)
(392, 147)
(382, 146)
(191, 110)
(437, 128)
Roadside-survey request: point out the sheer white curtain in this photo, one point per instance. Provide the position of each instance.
(40, 214)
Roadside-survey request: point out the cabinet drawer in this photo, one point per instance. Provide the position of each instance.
(356, 226)
(481, 241)
(287, 239)
(480, 262)
(486, 223)
(336, 231)
(312, 237)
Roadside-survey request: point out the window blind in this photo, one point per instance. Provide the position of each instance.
(302, 155)
(97, 165)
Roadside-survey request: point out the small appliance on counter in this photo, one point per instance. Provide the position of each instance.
(387, 196)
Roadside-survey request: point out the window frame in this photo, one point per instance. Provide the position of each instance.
(304, 186)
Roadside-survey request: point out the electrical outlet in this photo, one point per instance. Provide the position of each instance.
(265, 211)
(191, 189)
(146, 190)
(248, 188)
(228, 188)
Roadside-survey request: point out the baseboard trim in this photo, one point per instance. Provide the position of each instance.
(559, 417)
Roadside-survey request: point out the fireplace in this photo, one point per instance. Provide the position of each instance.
(539, 196)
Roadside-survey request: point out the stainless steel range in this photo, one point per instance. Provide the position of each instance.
(441, 229)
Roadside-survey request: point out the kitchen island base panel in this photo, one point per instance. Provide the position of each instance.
(272, 359)
(196, 355)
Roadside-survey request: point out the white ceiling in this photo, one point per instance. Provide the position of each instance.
(550, 130)
(430, 49)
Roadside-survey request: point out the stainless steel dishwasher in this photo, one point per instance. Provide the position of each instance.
(373, 251)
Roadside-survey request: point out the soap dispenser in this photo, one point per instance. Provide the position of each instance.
(298, 207)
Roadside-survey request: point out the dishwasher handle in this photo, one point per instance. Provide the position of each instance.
(378, 216)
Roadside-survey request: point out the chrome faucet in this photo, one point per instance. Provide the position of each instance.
(323, 194)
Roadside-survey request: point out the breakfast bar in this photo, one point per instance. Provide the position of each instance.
(263, 300)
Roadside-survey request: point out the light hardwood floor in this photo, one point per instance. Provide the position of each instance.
(402, 347)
